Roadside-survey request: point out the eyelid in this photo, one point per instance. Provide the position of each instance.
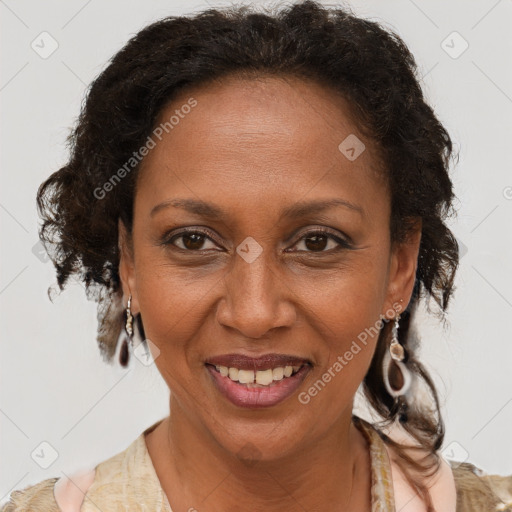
(343, 241)
(168, 236)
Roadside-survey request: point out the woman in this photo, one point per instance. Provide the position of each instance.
(261, 201)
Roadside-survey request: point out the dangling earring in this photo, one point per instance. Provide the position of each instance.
(397, 377)
(127, 344)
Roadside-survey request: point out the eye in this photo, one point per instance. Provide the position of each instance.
(190, 240)
(319, 240)
(314, 241)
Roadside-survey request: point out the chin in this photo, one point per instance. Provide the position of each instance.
(253, 443)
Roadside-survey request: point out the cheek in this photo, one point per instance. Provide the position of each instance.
(172, 302)
(349, 299)
(162, 303)
(168, 296)
(345, 315)
(351, 338)
(347, 350)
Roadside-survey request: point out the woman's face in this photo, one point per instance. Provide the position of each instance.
(256, 278)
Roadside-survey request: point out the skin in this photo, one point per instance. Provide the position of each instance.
(253, 148)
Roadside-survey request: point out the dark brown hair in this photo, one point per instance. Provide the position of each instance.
(367, 64)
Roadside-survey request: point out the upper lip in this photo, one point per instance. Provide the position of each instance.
(263, 362)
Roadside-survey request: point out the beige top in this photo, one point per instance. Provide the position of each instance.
(128, 481)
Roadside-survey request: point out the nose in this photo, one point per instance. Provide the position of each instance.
(256, 299)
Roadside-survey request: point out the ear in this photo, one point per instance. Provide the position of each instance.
(127, 267)
(402, 270)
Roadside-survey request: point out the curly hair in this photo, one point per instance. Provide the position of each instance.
(366, 63)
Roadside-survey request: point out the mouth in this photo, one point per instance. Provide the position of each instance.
(257, 382)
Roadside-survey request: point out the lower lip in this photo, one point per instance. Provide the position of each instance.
(257, 397)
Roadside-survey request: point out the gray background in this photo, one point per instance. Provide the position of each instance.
(55, 387)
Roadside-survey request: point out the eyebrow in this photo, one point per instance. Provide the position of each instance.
(300, 209)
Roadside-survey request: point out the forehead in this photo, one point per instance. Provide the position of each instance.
(282, 109)
(246, 134)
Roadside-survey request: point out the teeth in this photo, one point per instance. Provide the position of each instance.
(261, 377)
(278, 373)
(264, 377)
(245, 376)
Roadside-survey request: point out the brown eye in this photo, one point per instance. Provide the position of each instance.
(316, 242)
(191, 241)
(319, 241)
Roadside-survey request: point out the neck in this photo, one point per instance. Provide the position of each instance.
(196, 473)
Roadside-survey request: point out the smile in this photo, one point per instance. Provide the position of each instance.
(256, 389)
(261, 377)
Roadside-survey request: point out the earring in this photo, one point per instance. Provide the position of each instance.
(397, 377)
(127, 344)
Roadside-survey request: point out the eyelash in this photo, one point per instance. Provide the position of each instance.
(343, 244)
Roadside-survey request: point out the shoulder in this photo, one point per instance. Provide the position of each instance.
(52, 495)
(442, 487)
(459, 487)
(387, 463)
(33, 497)
(128, 478)
(69, 492)
(104, 485)
(478, 491)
